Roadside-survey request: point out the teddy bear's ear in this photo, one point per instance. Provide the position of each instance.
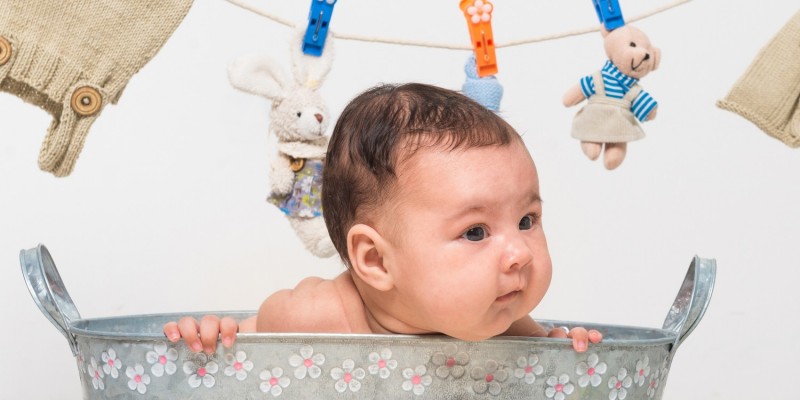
(656, 57)
(310, 71)
(261, 75)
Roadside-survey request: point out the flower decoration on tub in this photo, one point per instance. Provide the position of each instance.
(488, 378)
(450, 361)
(201, 370)
(138, 380)
(642, 371)
(111, 364)
(238, 365)
(619, 385)
(590, 371)
(348, 376)
(653, 387)
(558, 387)
(162, 360)
(381, 363)
(273, 381)
(96, 373)
(81, 361)
(416, 379)
(307, 363)
(528, 369)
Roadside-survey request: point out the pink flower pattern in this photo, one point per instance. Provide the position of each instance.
(416, 380)
(528, 369)
(590, 371)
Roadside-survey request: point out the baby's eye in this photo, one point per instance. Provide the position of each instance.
(526, 222)
(633, 44)
(299, 114)
(475, 234)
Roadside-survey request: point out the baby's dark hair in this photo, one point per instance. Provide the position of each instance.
(363, 154)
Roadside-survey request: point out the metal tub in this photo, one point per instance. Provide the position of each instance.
(129, 357)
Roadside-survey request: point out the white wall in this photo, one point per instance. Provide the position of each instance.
(165, 210)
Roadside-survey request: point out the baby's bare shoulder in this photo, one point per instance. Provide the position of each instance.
(314, 305)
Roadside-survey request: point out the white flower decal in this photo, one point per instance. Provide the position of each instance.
(590, 370)
(273, 381)
(619, 385)
(111, 364)
(348, 377)
(201, 371)
(558, 388)
(655, 380)
(162, 359)
(238, 365)
(96, 373)
(450, 361)
(307, 363)
(488, 378)
(382, 363)
(480, 11)
(416, 380)
(528, 369)
(137, 379)
(81, 361)
(642, 371)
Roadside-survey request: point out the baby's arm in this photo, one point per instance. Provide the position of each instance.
(579, 335)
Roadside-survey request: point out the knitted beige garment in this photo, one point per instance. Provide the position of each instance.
(72, 58)
(768, 94)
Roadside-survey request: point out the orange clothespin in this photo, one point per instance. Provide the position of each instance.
(479, 20)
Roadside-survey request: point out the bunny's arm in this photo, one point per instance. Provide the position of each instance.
(573, 96)
(281, 175)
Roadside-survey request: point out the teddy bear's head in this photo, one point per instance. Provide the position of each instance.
(630, 50)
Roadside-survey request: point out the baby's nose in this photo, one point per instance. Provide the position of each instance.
(319, 117)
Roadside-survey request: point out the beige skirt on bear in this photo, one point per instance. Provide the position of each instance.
(605, 119)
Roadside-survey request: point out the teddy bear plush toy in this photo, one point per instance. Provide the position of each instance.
(616, 103)
(299, 118)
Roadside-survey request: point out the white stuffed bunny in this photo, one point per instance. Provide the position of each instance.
(299, 119)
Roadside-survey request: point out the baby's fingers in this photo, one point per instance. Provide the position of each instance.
(580, 339)
(171, 331)
(189, 329)
(595, 336)
(227, 329)
(209, 333)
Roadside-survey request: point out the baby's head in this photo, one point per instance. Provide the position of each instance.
(433, 203)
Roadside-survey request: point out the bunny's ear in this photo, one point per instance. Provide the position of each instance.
(261, 75)
(656, 58)
(310, 71)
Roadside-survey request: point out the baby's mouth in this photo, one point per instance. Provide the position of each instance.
(508, 296)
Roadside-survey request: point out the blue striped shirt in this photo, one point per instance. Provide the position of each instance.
(617, 84)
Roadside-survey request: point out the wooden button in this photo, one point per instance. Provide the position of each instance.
(5, 50)
(297, 164)
(86, 101)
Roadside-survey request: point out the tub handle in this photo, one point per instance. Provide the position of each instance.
(692, 300)
(48, 291)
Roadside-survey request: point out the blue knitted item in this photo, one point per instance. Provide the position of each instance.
(487, 91)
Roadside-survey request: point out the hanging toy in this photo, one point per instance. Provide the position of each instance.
(616, 103)
(487, 91)
(299, 118)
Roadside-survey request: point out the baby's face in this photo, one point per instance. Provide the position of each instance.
(469, 253)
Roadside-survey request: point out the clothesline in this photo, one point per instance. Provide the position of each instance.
(450, 46)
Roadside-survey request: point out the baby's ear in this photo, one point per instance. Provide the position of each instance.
(366, 248)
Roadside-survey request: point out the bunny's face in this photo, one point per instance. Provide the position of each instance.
(301, 116)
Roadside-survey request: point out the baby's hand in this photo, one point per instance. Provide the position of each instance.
(203, 335)
(579, 335)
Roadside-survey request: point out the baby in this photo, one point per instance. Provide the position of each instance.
(433, 203)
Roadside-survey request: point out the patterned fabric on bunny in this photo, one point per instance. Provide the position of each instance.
(305, 199)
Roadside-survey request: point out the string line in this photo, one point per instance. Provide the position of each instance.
(450, 46)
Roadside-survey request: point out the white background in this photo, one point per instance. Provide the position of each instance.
(165, 210)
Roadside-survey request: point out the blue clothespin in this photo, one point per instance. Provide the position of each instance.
(609, 13)
(319, 18)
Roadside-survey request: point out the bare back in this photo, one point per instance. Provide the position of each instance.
(315, 305)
